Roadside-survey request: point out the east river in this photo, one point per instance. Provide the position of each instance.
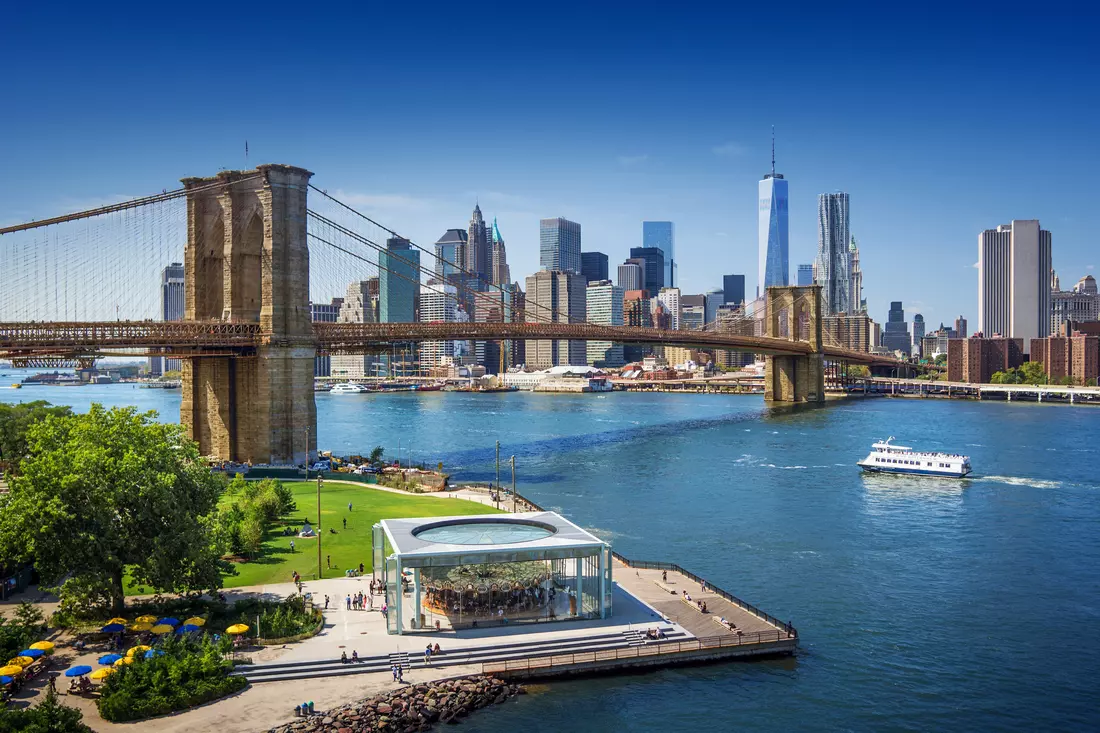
(922, 604)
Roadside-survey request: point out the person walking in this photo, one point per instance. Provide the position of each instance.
(400, 674)
(326, 601)
(328, 561)
(292, 545)
(348, 599)
(393, 670)
(349, 506)
(345, 522)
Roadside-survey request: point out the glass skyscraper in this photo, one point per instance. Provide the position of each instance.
(773, 231)
(834, 264)
(805, 275)
(560, 245)
(660, 234)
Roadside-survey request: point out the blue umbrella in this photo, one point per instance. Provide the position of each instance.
(154, 653)
(169, 621)
(32, 653)
(109, 658)
(78, 671)
(5, 680)
(113, 628)
(187, 628)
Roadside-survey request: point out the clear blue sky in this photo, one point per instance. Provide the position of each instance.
(939, 121)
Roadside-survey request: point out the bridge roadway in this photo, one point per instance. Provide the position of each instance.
(210, 338)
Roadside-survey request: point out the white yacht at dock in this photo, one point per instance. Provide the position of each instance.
(886, 457)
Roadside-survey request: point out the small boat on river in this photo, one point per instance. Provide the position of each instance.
(886, 457)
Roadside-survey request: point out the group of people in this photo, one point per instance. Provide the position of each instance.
(354, 572)
(430, 651)
(359, 602)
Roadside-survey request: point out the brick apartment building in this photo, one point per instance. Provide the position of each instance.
(976, 359)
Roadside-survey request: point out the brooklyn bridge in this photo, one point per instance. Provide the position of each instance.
(254, 251)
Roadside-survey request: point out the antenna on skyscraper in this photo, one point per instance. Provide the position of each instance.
(773, 151)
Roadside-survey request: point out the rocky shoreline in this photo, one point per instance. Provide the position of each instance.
(412, 708)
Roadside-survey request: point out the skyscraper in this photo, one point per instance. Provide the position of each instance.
(560, 245)
(805, 275)
(714, 299)
(833, 262)
(653, 275)
(896, 337)
(479, 247)
(450, 253)
(734, 288)
(398, 281)
(1014, 265)
(172, 302)
(960, 327)
(855, 272)
(555, 297)
(605, 307)
(772, 229)
(500, 273)
(438, 304)
(670, 299)
(636, 312)
(661, 234)
(356, 308)
(918, 333)
(594, 266)
(693, 312)
(631, 275)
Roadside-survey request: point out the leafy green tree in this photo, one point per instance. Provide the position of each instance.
(49, 716)
(1032, 372)
(376, 456)
(14, 422)
(109, 491)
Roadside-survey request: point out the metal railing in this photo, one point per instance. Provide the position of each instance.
(633, 652)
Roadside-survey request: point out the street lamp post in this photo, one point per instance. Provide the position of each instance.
(513, 459)
(320, 483)
(498, 465)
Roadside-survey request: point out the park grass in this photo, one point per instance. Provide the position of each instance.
(345, 549)
(348, 547)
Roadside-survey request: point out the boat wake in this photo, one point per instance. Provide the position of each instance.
(1020, 481)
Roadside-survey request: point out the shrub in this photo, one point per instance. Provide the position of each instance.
(277, 620)
(49, 716)
(189, 673)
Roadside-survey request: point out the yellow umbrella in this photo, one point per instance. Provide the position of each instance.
(117, 620)
(195, 620)
(21, 661)
(142, 626)
(138, 648)
(46, 646)
(103, 672)
(124, 660)
(237, 629)
(161, 629)
(11, 670)
(146, 619)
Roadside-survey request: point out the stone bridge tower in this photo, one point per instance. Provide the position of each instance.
(794, 313)
(247, 261)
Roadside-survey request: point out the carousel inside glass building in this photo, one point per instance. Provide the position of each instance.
(489, 570)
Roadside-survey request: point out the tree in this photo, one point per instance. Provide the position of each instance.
(14, 422)
(375, 458)
(110, 491)
(1032, 372)
(49, 716)
(940, 360)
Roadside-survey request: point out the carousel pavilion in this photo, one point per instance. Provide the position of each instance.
(488, 570)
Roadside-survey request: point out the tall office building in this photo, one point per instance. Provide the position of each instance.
(734, 288)
(605, 307)
(500, 273)
(772, 229)
(1014, 281)
(556, 297)
(918, 333)
(693, 312)
(661, 234)
(594, 266)
(858, 304)
(670, 299)
(356, 308)
(805, 275)
(653, 274)
(1080, 305)
(896, 337)
(324, 313)
(960, 327)
(172, 302)
(560, 245)
(398, 288)
(630, 275)
(438, 304)
(450, 253)
(479, 246)
(637, 312)
(714, 299)
(833, 263)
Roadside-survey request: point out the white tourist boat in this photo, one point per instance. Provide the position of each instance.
(885, 457)
(348, 388)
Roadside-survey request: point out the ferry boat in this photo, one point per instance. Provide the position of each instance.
(348, 388)
(886, 457)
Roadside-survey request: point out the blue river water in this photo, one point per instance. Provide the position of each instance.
(922, 604)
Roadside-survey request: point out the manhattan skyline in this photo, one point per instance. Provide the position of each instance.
(926, 166)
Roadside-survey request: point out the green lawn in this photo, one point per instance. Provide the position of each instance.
(348, 547)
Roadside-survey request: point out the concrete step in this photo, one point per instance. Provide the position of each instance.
(328, 668)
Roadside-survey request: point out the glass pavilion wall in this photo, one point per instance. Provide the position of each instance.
(494, 587)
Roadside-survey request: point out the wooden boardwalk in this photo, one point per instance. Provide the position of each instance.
(665, 591)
